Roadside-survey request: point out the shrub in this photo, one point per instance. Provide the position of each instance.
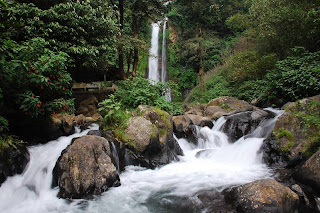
(248, 65)
(140, 91)
(215, 87)
(39, 76)
(294, 78)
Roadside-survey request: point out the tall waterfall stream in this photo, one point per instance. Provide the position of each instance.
(214, 164)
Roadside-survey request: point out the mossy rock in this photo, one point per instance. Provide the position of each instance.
(297, 131)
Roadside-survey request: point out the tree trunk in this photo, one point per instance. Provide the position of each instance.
(120, 49)
(136, 48)
(201, 71)
(129, 63)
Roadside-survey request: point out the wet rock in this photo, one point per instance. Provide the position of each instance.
(271, 155)
(309, 172)
(95, 133)
(206, 153)
(200, 120)
(240, 124)
(182, 127)
(197, 109)
(292, 135)
(265, 195)
(13, 161)
(66, 123)
(88, 107)
(150, 138)
(226, 106)
(85, 168)
(214, 202)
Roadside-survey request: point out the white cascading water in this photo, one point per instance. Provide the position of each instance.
(153, 73)
(215, 164)
(164, 53)
(31, 192)
(164, 58)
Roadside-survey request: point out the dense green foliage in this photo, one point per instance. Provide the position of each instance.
(141, 91)
(116, 118)
(275, 58)
(203, 38)
(85, 30)
(294, 78)
(39, 77)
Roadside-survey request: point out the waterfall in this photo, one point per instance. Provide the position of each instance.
(164, 53)
(213, 164)
(31, 191)
(164, 58)
(153, 73)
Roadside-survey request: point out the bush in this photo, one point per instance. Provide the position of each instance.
(249, 90)
(34, 78)
(215, 87)
(294, 78)
(140, 91)
(248, 65)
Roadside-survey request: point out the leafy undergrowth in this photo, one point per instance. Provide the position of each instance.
(295, 77)
(310, 122)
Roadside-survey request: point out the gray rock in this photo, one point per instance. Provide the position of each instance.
(140, 131)
(265, 195)
(85, 168)
(13, 161)
(309, 172)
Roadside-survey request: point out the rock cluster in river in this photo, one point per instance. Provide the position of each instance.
(151, 144)
(241, 118)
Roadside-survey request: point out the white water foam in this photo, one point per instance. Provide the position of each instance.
(214, 164)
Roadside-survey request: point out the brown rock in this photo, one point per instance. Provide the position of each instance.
(215, 112)
(264, 196)
(292, 134)
(309, 172)
(150, 132)
(85, 168)
(225, 106)
(140, 131)
(88, 107)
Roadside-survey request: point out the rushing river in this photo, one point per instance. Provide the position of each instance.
(214, 164)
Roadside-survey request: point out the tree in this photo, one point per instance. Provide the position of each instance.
(85, 30)
(141, 11)
(280, 25)
(201, 15)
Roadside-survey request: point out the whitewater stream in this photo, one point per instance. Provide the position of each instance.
(214, 164)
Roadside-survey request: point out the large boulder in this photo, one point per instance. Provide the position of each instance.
(183, 125)
(295, 133)
(265, 195)
(150, 138)
(243, 123)
(85, 168)
(309, 172)
(88, 107)
(13, 161)
(226, 106)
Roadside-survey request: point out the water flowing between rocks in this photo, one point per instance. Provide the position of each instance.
(213, 164)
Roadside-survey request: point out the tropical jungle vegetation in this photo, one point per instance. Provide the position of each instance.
(263, 50)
